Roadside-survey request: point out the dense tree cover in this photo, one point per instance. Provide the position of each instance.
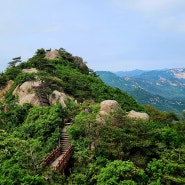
(107, 150)
(128, 152)
(163, 117)
(28, 134)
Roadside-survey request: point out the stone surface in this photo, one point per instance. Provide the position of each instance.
(52, 54)
(58, 97)
(108, 106)
(31, 70)
(26, 93)
(138, 115)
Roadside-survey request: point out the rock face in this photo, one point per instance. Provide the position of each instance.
(26, 93)
(57, 97)
(138, 115)
(31, 70)
(80, 61)
(52, 54)
(108, 106)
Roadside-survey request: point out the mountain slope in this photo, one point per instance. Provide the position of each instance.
(108, 148)
(37, 98)
(71, 75)
(151, 88)
(163, 82)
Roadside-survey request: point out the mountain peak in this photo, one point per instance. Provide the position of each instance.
(178, 73)
(51, 54)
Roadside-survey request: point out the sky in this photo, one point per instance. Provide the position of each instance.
(113, 35)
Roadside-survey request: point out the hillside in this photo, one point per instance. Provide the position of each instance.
(163, 82)
(55, 110)
(152, 88)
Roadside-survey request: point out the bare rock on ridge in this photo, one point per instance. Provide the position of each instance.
(138, 115)
(58, 97)
(26, 93)
(52, 54)
(31, 70)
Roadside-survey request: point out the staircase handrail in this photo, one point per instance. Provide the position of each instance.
(53, 155)
(63, 161)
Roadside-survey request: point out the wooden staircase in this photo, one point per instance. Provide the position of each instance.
(59, 158)
(65, 141)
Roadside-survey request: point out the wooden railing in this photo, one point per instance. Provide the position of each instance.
(63, 162)
(52, 156)
(59, 159)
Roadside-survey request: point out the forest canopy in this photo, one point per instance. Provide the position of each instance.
(117, 150)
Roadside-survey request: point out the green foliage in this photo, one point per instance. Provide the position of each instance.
(85, 87)
(18, 161)
(14, 61)
(163, 117)
(40, 52)
(121, 172)
(25, 65)
(38, 60)
(14, 117)
(157, 170)
(23, 77)
(3, 79)
(41, 122)
(64, 54)
(34, 132)
(110, 149)
(12, 72)
(120, 138)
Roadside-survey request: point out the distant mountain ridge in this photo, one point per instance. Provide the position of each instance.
(132, 73)
(164, 89)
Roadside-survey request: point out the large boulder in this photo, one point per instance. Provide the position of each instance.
(138, 115)
(58, 97)
(26, 93)
(52, 54)
(108, 106)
